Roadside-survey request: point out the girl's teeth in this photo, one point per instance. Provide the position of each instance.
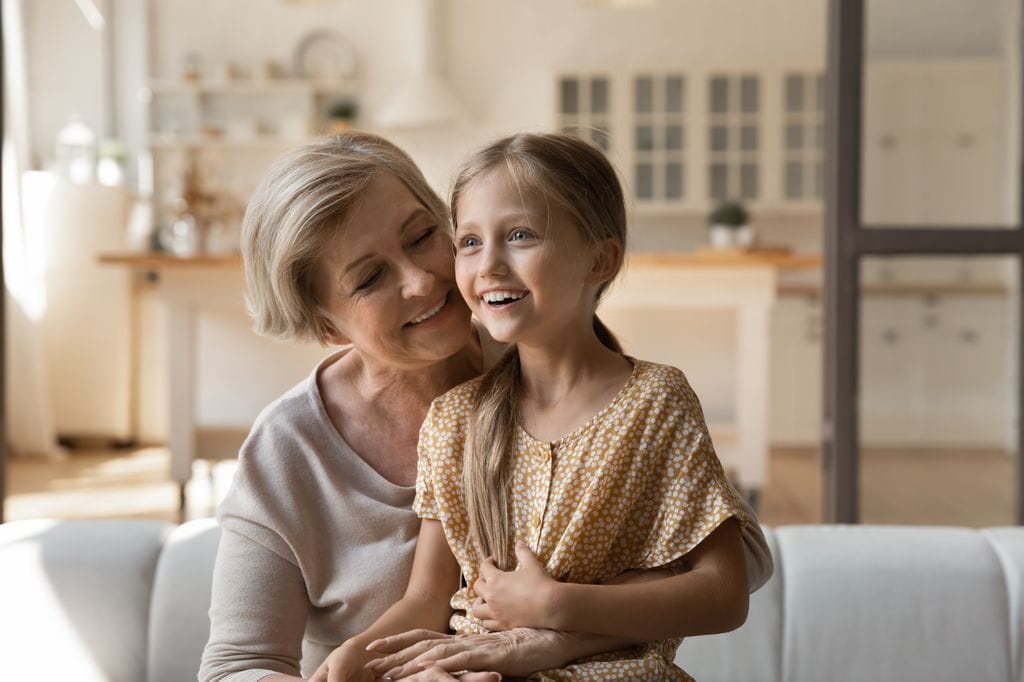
(498, 296)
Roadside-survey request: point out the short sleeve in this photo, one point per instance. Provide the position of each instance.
(425, 503)
(693, 495)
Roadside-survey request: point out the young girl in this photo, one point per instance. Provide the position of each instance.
(568, 459)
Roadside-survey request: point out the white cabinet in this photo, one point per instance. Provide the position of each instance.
(937, 370)
(937, 145)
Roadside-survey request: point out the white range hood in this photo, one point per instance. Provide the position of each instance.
(423, 97)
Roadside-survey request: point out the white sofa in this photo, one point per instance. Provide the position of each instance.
(127, 601)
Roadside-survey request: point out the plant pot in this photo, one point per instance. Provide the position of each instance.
(721, 236)
(731, 237)
(743, 236)
(339, 125)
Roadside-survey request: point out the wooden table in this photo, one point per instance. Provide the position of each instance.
(185, 284)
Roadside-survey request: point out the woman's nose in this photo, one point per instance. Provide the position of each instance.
(416, 281)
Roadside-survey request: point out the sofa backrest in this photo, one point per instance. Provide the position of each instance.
(127, 601)
(877, 603)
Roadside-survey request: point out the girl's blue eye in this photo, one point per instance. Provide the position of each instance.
(469, 242)
(519, 235)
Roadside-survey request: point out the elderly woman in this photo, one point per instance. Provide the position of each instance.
(344, 242)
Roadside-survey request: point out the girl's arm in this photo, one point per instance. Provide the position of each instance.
(710, 597)
(434, 579)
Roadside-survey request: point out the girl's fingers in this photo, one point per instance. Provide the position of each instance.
(482, 611)
(488, 568)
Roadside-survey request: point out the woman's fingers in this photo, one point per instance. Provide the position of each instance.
(436, 674)
(409, 654)
(395, 643)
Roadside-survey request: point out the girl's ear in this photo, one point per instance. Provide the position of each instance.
(607, 261)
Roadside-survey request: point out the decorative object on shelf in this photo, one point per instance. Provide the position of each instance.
(341, 115)
(75, 151)
(325, 56)
(192, 67)
(728, 226)
(205, 221)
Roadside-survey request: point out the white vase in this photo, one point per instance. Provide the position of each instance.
(743, 236)
(721, 236)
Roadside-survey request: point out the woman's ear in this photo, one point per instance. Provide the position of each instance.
(329, 333)
(607, 260)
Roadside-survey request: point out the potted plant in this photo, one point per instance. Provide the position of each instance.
(729, 226)
(341, 115)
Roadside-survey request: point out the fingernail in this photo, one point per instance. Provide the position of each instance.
(390, 675)
(373, 644)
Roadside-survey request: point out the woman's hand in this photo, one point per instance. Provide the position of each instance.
(516, 653)
(519, 598)
(344, 664)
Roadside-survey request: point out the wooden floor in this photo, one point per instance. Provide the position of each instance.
(898, 486)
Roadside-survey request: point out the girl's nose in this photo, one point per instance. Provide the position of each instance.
(493, 262)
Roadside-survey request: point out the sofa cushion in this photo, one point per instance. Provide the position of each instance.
(892, 603)
(179, 623)
(75, 598)
(752, 652)
(1008, 544)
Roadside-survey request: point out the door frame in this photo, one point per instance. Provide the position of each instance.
(847, 241)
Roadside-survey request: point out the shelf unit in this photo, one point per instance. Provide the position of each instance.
(229, 131)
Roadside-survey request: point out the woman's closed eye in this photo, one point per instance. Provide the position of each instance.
(424, 237)
(368, 281)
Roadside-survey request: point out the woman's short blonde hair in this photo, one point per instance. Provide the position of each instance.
(297, 209)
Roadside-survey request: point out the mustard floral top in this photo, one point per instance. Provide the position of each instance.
(638, 486)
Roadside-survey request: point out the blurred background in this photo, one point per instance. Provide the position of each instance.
(135, 130)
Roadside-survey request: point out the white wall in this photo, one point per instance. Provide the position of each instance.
(501, 58)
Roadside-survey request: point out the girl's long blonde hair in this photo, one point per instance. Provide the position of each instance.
(570, 174)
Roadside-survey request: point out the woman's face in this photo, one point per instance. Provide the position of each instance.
(387, 281)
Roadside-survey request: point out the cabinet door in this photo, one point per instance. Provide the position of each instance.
(795, 410)
(892, 380)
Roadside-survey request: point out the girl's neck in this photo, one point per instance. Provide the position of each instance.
(552, 372)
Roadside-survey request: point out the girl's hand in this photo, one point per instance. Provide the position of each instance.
(519, 598)
(344, 664)
(425, 655)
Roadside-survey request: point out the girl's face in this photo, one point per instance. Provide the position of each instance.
(526, 272)
(387, 284)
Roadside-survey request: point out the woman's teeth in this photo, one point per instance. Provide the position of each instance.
(501, 297)
(430, 313)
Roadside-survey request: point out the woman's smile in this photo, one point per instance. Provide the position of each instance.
(432, 313)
